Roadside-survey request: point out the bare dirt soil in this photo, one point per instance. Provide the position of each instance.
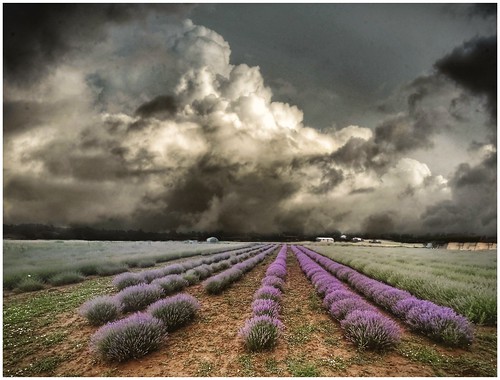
(312, 344)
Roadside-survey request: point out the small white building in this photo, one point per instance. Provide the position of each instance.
(325, 239)
(343, 237)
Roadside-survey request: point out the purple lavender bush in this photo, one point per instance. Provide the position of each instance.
(175, 311)
(268, 292)
(173, 269)
(335, 296)
(402, 307)
(203, 271)
(100, 310)
(128, 338)
(221, 265)
(216, 284)
(137, 297)
(266, 307)
(261, 332)
(191, 277)
(277, 270)
(324, 283)
(149, 275)
(273, 281)
(440, 323)
(368, 329)
(124, 280)
(340, 309)
(389, 297)
(171, 283)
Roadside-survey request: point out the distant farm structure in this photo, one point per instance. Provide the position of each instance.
(471, 246)
(325, 239)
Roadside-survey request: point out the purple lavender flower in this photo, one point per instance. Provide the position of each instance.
(402, 307)
(173, 269)
(220, 265)
(335, 296)
(440, 323)
(149, 275)
(273, 281)
(343, 273)
(124, 280)
(368, 329)
(340, 309)
(268, 292)
(100, 310)
(261, 332)
(137, 297)
(219, 282)
(276, 270)
(266, 307)
(216, 284)
(171, 283)
(128, 338)
(203, 271)
(175, 311)
(325, 284)
(388, 297)
(191, 276)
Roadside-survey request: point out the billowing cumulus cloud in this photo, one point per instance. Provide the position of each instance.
(153, 127)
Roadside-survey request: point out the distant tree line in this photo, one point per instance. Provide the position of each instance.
(49, 232)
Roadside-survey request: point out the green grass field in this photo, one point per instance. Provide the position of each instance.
(463, 280)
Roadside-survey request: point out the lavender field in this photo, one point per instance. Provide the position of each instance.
(258, 310)
(463, 280)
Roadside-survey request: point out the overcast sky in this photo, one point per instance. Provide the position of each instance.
(252, 118)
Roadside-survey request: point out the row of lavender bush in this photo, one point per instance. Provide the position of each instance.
(438, 322)
(143, 332)
(362, 323)
(194, 270)
(103, 309)
(217, 283)
(262, 330)
(74, 273)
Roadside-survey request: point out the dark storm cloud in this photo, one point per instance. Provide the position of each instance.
(484, 10)
(38, 200)
(474, 66)
(21, 115)
(37, 36)
(399, 135)
(483, 174)
(330, 176)
(240, 198)
(474, 200)
(415, 128)
(380, 223)
(161, 106)
(362, 190)
(359, 154)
